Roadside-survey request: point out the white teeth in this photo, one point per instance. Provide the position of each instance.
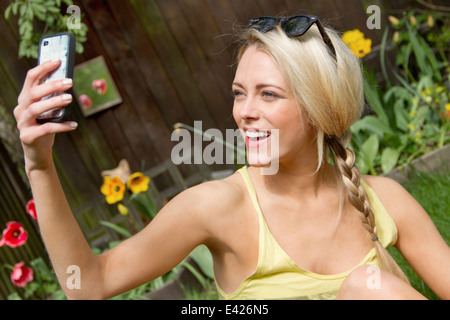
(257, 134)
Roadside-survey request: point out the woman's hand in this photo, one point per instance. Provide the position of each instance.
(37, 139)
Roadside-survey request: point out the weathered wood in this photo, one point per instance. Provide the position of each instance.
(13, 198)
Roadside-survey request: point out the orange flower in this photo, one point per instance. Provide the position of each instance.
(138, 182)
(113, 189)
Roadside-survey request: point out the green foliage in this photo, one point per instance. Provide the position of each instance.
(411, 116)
(421, 186)
(45, 285)
(38, 18)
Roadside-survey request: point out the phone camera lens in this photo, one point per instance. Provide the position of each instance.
(45, 43)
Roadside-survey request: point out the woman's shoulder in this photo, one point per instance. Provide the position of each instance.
(215, 195)
(394, 197)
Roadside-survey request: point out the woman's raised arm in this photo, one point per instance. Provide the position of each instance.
(154, 251)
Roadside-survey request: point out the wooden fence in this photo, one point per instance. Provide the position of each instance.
(172, 62)
(13, 198)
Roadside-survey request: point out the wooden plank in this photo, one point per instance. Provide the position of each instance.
(295, 7)
(9, 48)
(158, 32)
(168, 100)
(327, 12)
(273, 7)
(200, 62)
(245, 10)
(224, 16)
(353, 15)
(143, 128)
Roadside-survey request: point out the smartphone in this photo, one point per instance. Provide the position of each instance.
(59, 46)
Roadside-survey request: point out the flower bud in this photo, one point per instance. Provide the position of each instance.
(122, 209)
(430, 21)
(413, 21)
(394, 21)
(396, 37)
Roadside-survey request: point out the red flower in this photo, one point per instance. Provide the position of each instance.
(14, 235)
(21, 275)
(86, 101)
(99, 85)
(31, 209)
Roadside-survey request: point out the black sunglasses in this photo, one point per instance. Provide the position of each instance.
(293, 26)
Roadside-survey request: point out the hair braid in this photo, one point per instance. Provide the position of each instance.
(344, 159)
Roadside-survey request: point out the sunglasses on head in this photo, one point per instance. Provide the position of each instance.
(293, 26)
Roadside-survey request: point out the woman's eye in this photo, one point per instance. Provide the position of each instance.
(270, 95)
(236, 94)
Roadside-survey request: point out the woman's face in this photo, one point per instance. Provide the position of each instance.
(266, 111)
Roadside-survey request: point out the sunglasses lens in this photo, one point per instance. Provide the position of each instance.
(296, 26)
(263, 24)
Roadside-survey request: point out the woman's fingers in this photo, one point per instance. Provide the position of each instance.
(26, 115)
(60, 101)
(36, 74)
(31, 134)
(36, 93)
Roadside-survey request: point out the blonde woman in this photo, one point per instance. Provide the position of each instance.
(314, 230)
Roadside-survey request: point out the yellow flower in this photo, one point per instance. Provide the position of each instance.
(138, 182)
(362, 47)
(122, 209)
(355, 40)
(113, 189)
(352, 36)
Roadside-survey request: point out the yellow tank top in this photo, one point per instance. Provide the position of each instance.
(278, 277)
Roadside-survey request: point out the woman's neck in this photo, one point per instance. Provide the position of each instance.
(297, 180)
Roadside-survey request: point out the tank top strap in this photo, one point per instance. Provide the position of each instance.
(251, 189)
(272, 258)
(386, 228)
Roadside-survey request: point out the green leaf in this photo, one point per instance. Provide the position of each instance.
(383, 57)
(116, 228)
(203, 259)
(369, 151)
(15, 7)
(419, 52)
(374, 101)
(373, 125)
(389, 159)
(8, 11)
(401, 116)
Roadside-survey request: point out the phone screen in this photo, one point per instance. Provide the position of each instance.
(56, 47)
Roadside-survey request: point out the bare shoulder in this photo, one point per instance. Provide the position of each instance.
(383, 186)
(212, 199)
(394, 197)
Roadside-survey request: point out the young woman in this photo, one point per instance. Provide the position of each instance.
(315, 229)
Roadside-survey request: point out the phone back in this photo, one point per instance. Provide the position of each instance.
(60, 46)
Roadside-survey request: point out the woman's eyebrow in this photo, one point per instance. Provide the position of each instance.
(260, 86)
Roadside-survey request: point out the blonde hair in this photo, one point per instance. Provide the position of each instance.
(330, 93)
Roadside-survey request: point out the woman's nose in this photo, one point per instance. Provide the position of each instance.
(249, 110)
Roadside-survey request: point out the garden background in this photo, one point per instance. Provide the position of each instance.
(171, 61)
